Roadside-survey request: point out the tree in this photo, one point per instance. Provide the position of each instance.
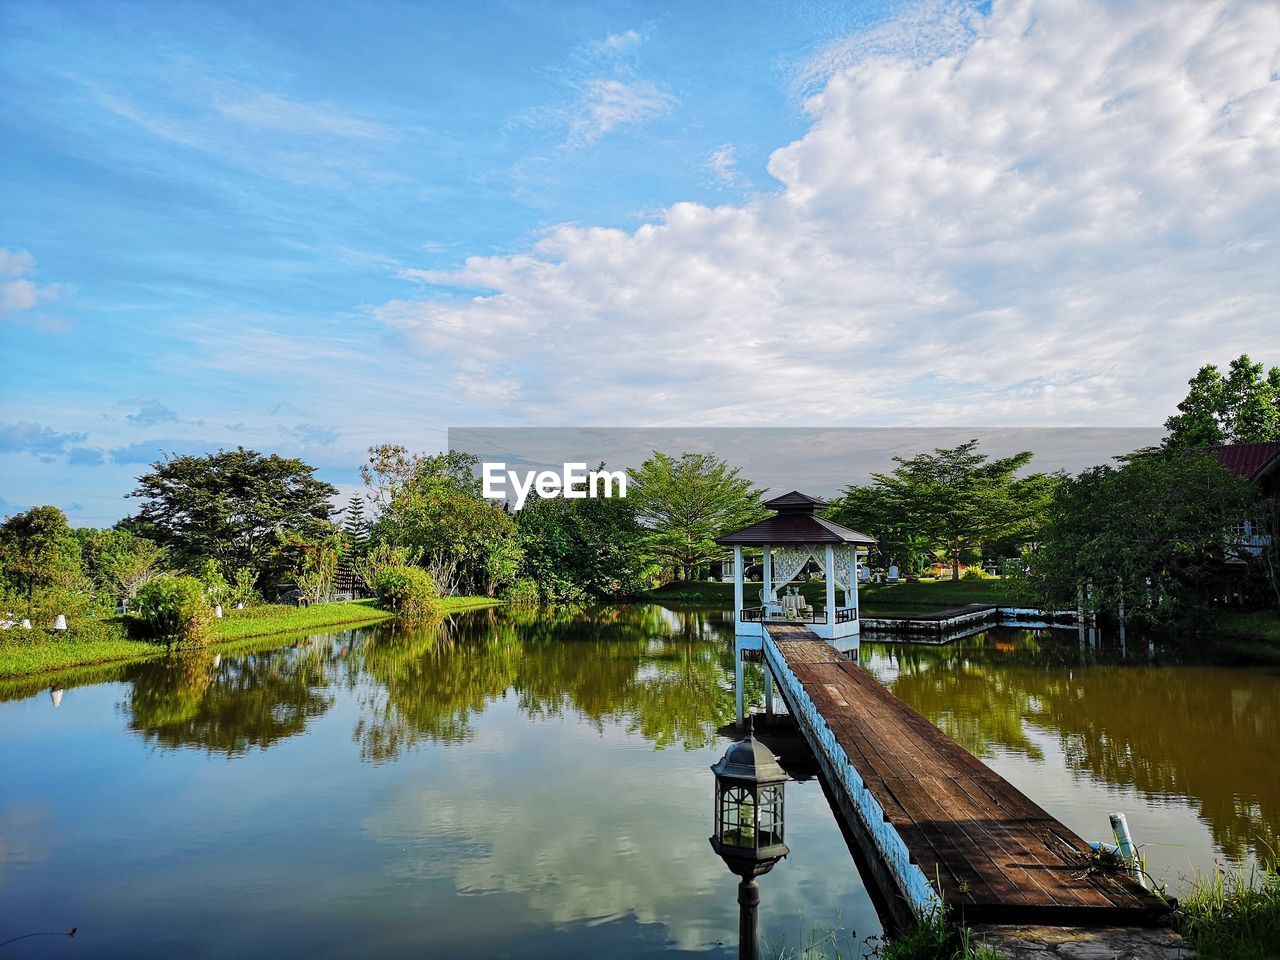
(119, 562)
(1242, 407)
(578, 549)
(686, 503)
(439, 513)
(1147, 535)
(952, 501)
(870, 509)
(233, 506)
(39, 553)
(355, 525)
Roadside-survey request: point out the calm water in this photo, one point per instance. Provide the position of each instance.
(518, 785)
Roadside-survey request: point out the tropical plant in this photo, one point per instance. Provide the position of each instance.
(39, 555)
(1241, 407)
(685, 502)
(173, 608)
(1146, 537)
(409, 591)
(234, 506)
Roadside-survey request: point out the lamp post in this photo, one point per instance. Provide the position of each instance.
(748, 825)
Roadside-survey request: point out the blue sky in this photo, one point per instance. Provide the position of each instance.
(308, 230)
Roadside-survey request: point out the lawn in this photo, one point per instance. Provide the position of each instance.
(23, 653)
(875, 599)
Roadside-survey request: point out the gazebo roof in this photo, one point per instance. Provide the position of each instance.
(794, 524)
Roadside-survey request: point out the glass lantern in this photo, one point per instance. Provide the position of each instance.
(750, 797)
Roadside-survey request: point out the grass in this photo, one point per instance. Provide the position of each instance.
(25, 653)
(934, 937)
(1246, 636)
(875, 598)
(1233, 917)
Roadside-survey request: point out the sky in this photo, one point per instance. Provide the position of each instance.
(308, 229)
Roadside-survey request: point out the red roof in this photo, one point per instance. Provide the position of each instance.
(1248, 460)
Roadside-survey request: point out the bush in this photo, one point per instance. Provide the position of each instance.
(975, 573)
(408, 591)
(523, 592)
(174, 609)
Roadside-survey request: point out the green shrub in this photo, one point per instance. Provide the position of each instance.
(975, 573)
(175, 609)
(408, 591)
(522, 592)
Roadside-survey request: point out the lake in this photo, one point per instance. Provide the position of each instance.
(530, 784)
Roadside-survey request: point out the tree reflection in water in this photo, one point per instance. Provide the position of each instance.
(635, 665)
(663, 674)
(1207, 734)
(228, 705)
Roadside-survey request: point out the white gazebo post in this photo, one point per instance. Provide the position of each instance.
(737, 617)
(767, 581)
(737, 583)
(831, 587)
(853, 579)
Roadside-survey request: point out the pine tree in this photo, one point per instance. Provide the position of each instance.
(355, 525)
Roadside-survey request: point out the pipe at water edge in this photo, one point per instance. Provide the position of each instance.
(1124, 839)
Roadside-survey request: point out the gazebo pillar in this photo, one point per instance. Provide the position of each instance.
(831, 587)
(767, 577)
(853, 581)
(737, 584)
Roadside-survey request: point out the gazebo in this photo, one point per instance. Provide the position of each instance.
(789, 540)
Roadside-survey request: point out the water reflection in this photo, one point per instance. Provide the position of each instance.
(1204, 734)
(228, 706)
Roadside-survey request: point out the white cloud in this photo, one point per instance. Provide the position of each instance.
(610, 102)
(1055, 221)
(723, 162)
(19, 293)
(272, 112)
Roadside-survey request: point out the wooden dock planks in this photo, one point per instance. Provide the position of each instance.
(993, 853)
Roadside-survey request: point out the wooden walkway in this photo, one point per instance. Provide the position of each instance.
(992, 853)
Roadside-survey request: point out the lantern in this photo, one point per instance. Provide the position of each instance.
(749, 808)
(748, 831)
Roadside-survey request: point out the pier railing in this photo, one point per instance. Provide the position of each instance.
(813, 615)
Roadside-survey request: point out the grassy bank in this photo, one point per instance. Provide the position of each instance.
(1251, 636)
(875, 598)
(1233, 916)
(106, 641)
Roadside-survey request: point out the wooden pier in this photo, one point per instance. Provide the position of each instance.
(946, 828)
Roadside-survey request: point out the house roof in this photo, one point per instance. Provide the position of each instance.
(1252, 461)
(795, 524)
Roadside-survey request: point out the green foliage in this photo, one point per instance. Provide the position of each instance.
(1242, 407)
(934, 937)
(522, 592)
(685, 503)
(40, 560)
(870, 509)
(242, 589)
(233, 506)
(1234, 917)
(118, 562)
(408, 591)
(355, 525)
(435, 508)
(1148, 534)
(575, 550)
(948, 503)
(173, 608)
(316, 564)
(216, 587)
(975, 573)
(379, 558)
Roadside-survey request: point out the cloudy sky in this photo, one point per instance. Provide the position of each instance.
(309, 230)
